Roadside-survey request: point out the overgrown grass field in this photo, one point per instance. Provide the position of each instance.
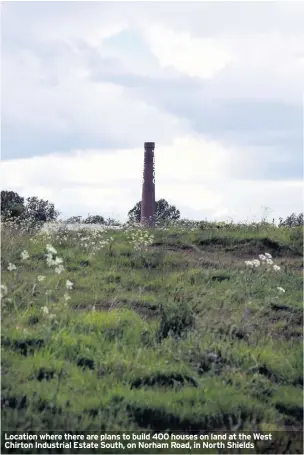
(186, 328)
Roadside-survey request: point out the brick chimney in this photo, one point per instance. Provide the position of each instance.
(147, 217)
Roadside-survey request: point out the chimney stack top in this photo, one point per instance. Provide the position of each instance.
(150, 145)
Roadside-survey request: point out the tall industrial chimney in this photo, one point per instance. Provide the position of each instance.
(147, 217)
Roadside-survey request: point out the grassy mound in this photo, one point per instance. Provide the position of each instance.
(152, 330)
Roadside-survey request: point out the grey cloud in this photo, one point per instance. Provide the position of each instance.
(17, 142)
(202, 18)
(259, 124)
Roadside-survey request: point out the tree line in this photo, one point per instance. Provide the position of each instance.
(38, 210)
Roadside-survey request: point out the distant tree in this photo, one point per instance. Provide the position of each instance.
(12, 205)
(111, 222)
(164, 212)
(39, 210)
(94, 219)
(74, 219)
(292, 220)
(34, 210)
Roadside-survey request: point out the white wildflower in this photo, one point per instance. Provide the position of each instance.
(281, 290)
(57, 261)
(249, 263)
(45, 309)
(256, 262)
(24, 255)
(262, 257)
(49, 259)
(67, 297)
(276, 267)
(11, 267)
(69, 285)
(268, 255)
(59, 269)
(253, 263)
(269, 261)
(40, 277)
(51, 249)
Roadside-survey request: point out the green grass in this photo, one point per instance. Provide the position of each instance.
(180, 335)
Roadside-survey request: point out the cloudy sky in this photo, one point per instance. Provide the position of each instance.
(217, 85)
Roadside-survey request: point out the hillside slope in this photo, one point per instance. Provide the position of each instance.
(164, 329)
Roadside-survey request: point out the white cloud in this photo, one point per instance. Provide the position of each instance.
(187, 157)
(195, 57)
(267, 67)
